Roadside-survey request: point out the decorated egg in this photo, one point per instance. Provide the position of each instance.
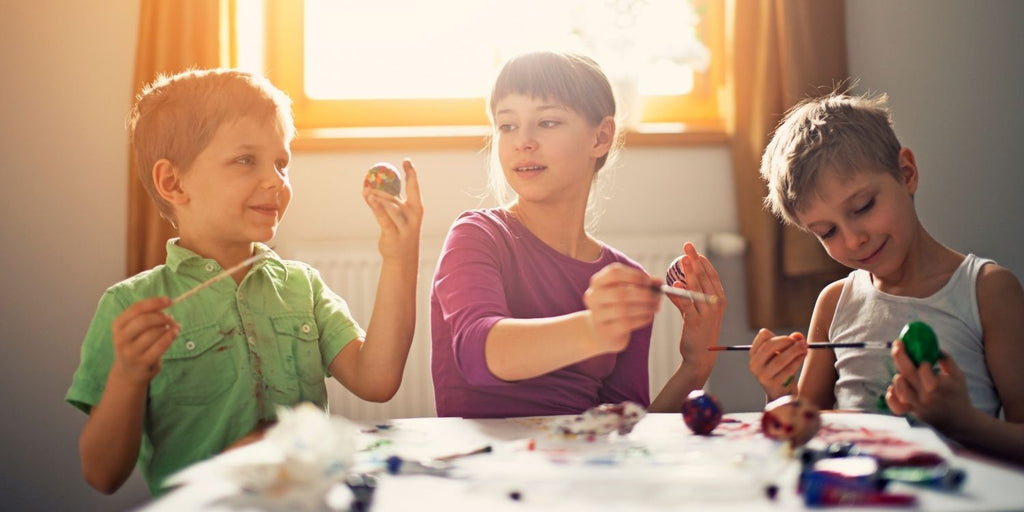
(384, 176)
(675, 272)
(921, 342)
(701, 412)
(790, 419)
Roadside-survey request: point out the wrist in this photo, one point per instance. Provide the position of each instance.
(121, 377)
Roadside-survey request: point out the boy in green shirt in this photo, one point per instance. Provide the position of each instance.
(168, 384)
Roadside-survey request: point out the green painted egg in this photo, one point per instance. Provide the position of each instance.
(921, 343)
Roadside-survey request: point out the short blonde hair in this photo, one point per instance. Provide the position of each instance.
(837, 133)
(175, 116)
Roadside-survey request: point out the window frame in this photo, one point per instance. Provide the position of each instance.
(696, 117)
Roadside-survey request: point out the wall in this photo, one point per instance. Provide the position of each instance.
(953, 71)
(67, 68)
(952, 68)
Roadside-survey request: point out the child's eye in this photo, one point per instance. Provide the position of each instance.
(245, 160)
(549, 124)
(506, 127)
(866, 207)
(828, 234)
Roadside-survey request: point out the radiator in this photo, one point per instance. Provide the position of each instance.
(351, 269)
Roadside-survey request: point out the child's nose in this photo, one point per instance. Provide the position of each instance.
(526, 140)
(274, 177)
(855, 237)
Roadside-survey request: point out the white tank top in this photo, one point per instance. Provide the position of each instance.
(864, 313)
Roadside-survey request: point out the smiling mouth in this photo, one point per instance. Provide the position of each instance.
(872, 255)
(266, 210)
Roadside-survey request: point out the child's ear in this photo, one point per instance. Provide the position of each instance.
(605, 136)
(168, 182)
(908, 169)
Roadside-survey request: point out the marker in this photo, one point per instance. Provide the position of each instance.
(852, 344)
(396, 465)
(447, 458)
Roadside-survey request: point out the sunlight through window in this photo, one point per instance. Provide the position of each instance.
(456, 54)
(406, 63)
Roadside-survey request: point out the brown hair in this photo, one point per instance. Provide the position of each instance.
(175, 116)
(835, 133)
(573, 80)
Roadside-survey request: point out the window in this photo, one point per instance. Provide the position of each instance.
(355, 69)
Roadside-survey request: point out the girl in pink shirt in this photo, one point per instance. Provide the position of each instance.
(530, 314)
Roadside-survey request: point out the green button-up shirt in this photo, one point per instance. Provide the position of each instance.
(242, 351)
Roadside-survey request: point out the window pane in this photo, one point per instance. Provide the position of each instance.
(453, 48)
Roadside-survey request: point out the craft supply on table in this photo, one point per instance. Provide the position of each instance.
(384, 176)
(396, 465)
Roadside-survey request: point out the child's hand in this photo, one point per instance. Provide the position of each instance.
(399, 219)
(620, 299)
(937, 398)
(702, 321)
(775, 360)
(142, 333)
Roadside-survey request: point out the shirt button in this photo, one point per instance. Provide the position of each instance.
(190, 345)
(252, 339)
(209, 267)
(305, 328)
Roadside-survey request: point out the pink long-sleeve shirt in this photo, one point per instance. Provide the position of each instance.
(492, 268)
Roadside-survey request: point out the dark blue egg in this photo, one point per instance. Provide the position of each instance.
(701, 412)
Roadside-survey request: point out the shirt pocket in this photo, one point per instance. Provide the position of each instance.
(198, 367)
(298, 341)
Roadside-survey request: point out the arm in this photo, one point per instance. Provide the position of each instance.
(818, 378)
(111, 438)
(941, 399)
(775, 361)
(618, 301)
(372, 369)
(702, 323)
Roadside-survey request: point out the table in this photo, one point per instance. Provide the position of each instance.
(660, 465)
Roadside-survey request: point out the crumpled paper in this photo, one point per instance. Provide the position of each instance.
(602, 420)
(301, 464)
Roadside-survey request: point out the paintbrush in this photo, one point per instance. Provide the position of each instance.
(205, 284)
(686, 294)
(851, 344)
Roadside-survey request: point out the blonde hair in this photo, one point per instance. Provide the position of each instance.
(837, 133)
(573, 80)
(175, 116)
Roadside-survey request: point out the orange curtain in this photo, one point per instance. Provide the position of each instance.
(174, 35)
(781, 51)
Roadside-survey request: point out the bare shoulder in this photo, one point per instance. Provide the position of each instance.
(829, 297)
(1000, 304)
(825, 310)
(998, 282)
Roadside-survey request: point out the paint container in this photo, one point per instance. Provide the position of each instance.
(940, 477)
(823, 489)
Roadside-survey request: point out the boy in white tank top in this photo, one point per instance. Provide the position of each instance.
(835, 169)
